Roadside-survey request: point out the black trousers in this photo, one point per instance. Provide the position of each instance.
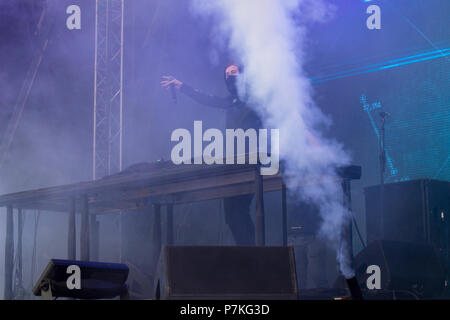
(237, 217)
(310, 260)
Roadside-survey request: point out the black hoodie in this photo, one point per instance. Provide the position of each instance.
(239, 115)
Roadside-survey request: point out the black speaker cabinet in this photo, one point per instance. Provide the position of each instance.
(411, 267)
(210, 272)
(414, 211)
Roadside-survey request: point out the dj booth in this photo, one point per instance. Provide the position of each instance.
(146, 186)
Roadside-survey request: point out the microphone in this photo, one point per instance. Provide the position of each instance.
(172, 89)
(173, 93)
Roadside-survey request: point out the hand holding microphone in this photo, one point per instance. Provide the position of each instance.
(170, 83)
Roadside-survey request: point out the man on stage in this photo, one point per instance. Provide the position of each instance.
(238, 116)
(303, 219)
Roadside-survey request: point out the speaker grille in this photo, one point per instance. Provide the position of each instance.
(226, 271)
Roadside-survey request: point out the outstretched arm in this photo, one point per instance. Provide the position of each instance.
(196, 95)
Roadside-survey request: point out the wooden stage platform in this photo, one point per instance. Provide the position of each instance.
(145, 186)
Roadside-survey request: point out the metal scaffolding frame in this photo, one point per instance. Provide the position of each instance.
(108, 91)
(108, 94)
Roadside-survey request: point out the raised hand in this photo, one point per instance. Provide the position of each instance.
(167, 81)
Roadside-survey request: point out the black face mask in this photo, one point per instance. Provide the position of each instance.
(231, 83)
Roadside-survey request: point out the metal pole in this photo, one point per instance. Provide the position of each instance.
(71, 239)
(157, 235)
(84, 236)
(19, 291)
(157, 226)
(284, 213)
(347, 237)
(382, 170)
(169, 231)
(9, 254)
(94, 153)
(94, 237)
(259, 218)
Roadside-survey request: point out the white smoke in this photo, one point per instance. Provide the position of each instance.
(269, 37)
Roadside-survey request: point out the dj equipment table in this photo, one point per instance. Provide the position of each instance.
(147, 186)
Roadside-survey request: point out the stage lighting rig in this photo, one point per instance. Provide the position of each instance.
(82, 280)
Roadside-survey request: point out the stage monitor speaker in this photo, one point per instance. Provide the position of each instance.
(412, 267)
(97, 280)
(414, 211)
(215, 272)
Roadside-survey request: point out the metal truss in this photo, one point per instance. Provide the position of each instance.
(108, 94)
